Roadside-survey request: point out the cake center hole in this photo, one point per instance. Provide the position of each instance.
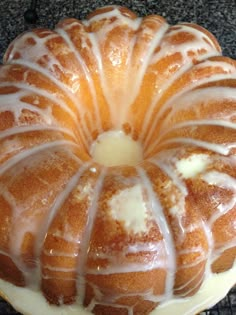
(113, 148)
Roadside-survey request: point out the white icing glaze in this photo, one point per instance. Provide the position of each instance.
(87, 75)
(118, 267)
(166, 50)
(226, 182)
(196, 123)
(58, 205)
(212, 290)
(114, 148)
(193, 165)
(165, 230)
(35, 90)
(115, 95)
(167, 166)
(184, 100)
(29, 152)
(30, 302)
(23, 129)
(82, 258)
(85, 134)
(129, 208)
(218, 148)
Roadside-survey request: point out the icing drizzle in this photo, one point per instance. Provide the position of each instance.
(167, 87)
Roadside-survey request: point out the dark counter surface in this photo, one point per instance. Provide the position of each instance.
(218, 16)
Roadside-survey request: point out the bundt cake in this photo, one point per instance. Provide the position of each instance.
(117, 168)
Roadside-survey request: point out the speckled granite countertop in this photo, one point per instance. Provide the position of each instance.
(218, 16)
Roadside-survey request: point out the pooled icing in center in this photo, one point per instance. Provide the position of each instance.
(113, 148)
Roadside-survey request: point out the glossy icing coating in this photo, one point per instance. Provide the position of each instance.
(214, 289)
(113, 148)
(122, 237)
